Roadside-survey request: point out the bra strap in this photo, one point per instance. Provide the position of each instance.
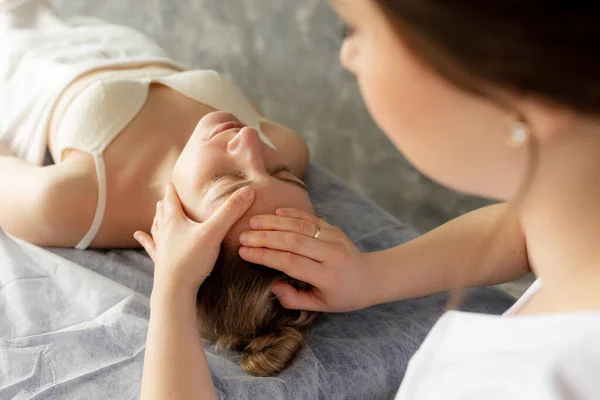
(100, 207)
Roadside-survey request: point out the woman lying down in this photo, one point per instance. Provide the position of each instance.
(121, 120)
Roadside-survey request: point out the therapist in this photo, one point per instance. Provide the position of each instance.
(493, 98)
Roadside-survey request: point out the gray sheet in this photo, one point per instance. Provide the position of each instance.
(73, 323)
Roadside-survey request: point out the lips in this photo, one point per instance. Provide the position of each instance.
(225, 127)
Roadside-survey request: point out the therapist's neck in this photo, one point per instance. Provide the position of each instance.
(561, 214)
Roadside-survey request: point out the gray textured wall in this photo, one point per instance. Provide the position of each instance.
(284, 55)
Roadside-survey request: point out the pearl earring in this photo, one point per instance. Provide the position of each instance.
(519, 133)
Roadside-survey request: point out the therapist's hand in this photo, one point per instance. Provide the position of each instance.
(184, 251)
(341, 275)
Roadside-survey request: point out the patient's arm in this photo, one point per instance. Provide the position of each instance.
(43, 205)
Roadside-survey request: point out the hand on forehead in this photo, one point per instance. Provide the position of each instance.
(266, 205)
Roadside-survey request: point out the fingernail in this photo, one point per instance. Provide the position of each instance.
(244, 251)
(244, 238)
(247, 194)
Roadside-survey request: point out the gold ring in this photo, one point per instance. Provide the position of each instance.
(318, 232)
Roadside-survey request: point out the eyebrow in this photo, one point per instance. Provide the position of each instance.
(233, 188)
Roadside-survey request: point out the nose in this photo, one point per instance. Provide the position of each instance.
(247, 149)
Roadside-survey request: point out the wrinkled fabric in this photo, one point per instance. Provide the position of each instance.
(73, 323)
(467, 356)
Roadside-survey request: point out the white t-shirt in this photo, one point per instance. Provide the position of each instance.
(474, 357)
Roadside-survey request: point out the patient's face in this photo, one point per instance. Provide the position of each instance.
(223, 155)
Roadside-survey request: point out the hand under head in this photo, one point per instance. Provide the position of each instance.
(236, 308)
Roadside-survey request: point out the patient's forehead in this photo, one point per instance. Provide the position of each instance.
(232, 239)
(263, 208)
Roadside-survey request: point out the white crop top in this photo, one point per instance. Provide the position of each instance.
(41, 55)
(104, 108)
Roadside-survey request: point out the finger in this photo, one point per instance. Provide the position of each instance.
(147, 243)
(154, 229)
(154, 232)
(160, 212)
(156, 213)
(293, 265)
(276, 223)
(295, 213)
(296, 243)
(172, 204)
(295, 299)
(229, 213)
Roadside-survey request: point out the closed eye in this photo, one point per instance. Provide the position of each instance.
(239, 174)
(279, 168)
(227, 172)
(273, 171)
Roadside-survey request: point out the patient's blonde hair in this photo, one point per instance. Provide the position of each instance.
(237, 311)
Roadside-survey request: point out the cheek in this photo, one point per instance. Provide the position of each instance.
(187, 195)
(451, 136)
(191, 173)
(398, 97)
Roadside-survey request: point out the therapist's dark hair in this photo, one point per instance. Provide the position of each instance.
(237, 311)
(545, 49)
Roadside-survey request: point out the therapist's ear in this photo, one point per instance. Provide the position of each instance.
(348, 56)
(548, 121)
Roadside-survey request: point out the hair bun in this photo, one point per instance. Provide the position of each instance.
(271, 353)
